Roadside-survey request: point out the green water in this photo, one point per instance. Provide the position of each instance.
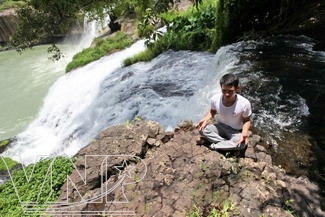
(24, 82)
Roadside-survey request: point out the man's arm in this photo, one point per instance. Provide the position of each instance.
(202, 123)
(244, 133)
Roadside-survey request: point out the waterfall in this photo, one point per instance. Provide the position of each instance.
(92, 29)
(56, 128)
(174, 86)
(282, 77)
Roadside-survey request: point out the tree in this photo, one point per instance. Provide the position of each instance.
(235, 17)
(42, 19)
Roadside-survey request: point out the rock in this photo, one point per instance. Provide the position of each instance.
(8, 25)
(171, 174)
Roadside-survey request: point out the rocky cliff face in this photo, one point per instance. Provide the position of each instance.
(8, 25)
(139, 169)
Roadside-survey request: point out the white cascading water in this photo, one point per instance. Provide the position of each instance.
(61, 115)
(173, 87)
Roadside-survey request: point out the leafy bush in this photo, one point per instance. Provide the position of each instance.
(193, 30)
(29, 191)
(117, 41)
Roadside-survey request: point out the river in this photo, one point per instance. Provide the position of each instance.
(24, 80)
(282, 76)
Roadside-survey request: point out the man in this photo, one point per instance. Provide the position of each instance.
(234, 111)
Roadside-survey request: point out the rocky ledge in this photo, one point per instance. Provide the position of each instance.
(139, 169)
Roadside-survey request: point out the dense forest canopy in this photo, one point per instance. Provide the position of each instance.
(228, 20)
(237, 17)
(39, 19)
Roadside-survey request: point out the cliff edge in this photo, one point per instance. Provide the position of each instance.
(139, 169)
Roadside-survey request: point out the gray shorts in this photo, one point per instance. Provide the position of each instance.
(222, 137)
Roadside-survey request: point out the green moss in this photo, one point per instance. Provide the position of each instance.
(10, 163)
(4, 142)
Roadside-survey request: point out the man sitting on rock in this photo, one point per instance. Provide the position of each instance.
(234, 111)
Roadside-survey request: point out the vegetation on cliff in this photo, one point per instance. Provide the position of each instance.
(41, 19)
(218, 23)
(212, 24)
(206, 26)
(7, 162)
(104, 46)
(33, 185)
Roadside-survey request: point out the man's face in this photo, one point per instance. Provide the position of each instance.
(229, 92)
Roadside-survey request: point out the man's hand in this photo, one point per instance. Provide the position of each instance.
(243, 138)
(202, 124)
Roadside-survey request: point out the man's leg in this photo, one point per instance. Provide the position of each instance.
(229, 145)
(222, 137)
(212, 133)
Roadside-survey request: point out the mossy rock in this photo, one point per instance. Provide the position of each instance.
(4, 144)
(10, 163)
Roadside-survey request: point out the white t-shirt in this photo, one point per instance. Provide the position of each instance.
(231, 116)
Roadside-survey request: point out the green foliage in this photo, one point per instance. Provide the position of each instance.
(128, 122)
(147, 26)
(249, 19)
(195, 212)
(204, 166)
(288, 206)
(29, 191)
(228, 209)
(190, 31)
(10, 163)
(4, 4)
(145, 55)
(42, 19)
(117, 41)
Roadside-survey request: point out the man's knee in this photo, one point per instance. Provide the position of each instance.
(208, 130)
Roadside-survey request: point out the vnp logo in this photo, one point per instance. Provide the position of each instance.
(99, 169)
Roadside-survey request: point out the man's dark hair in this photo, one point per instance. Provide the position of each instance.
(229, 80)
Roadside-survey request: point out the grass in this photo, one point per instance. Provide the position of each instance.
(115, 42)
(145, 55)
(228, 209)
(9, 4)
